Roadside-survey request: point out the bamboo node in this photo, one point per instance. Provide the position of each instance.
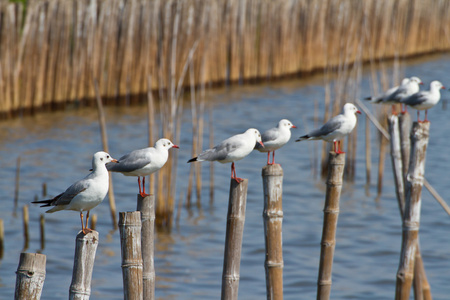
(410, 226)
(273, 215)
(86, 292)
(332, 183)
(272, 264)
(331, 211)
(324, 282)
(328, 243)
(136, 264)
(231, 277)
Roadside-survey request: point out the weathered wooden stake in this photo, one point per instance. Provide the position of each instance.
(83, 264)
(147, 208)
(30, 276)
(411, 218)
(130, 244)
(273, 220)
(331, 213)
(405, 130)
(233, 240)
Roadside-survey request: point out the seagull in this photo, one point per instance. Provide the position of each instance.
(336, 128)
(143, 162)
(86, 193)
(425, 100)
(275, 138)
(232, 149)
(395, 95)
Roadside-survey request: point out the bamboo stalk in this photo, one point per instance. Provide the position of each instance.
(151, 126)
(17, 185)
(233, 239)
(396, 158)
(42, 230)
(411, 219)
(130, 245)
(273, 220)
(30, 276)
(405, 129)
(147, 208)
(93, 222)
(83, 265)
(104, 135)
(368, 152)
(26, 221)
(331, 213)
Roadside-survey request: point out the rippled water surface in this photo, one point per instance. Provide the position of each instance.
(57, 148)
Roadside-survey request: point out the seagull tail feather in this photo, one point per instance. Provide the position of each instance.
(302, 138)
(192, 159)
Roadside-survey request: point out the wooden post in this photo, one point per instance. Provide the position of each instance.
(397, 162)
(233, 240)
(2, 238)
(30, 276)
(42, 230)
(147, 208)
(83, 264)
(331, 213)
(130, 244)
(273, 220)
(411, 219)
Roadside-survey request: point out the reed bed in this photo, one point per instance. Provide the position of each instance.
(50, 55)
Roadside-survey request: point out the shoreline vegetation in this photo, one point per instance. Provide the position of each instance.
(52, 53)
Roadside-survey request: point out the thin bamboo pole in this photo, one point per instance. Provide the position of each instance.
(17, 185)
(104, 135)
(405, 129)
(93, 222)
(30, 276)
(273, 220)
(151, 126)
(368, 152)
(331, 213)
(411, 219)
(396, 158)
(233, 240)
(42, 230)
(83, 265)
(130, 246)
(147, 208)
(26, 221)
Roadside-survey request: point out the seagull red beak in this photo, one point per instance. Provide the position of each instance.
(358, 112)
(114, 160)
(443, 87)
(261, 143)
(293, 126)
(175, 146)
(421, 83)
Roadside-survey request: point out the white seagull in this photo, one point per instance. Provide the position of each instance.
(425, 100)
(232, 149)
(275, 138)
(143, 162)
(395, 95)
(336, 128)
(86, 193)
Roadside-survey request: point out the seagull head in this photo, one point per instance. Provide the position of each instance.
(165, 143)
(350, 108)
(417, 80)
(102, 158)
(285, 123)
(256, 134)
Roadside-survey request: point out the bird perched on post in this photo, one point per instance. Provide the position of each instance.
(86, 193)
(232, 149)
(275, 138)
(336, 128)
(425, 100)
(396, 94)
(143, 162)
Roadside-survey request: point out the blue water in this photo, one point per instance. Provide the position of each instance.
(56, 148)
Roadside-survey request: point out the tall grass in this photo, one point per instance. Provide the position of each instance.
(50, 55)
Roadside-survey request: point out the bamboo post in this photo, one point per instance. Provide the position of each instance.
(273, 219)
(93, 222)
(233, 239)
(17, 185)
(102, 121)
(405, 129)
(331, 213)
(411, 219)
(83, 264)
(42, 230)
(26, 221)
(147, 208)
(30, 276)
(130, 244)
(397, 163)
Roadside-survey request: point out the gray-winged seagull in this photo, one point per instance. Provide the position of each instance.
(425, 100)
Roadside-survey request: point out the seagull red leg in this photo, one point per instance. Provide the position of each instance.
(426, 116)
(273, 157)
(143, 194)
(233, 173)
(268, 158)
(418, 116)
(86, 229)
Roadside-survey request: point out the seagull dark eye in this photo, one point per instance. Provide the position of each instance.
(101, 158)
(107, 156)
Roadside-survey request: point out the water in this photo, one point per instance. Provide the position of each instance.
(57, 149)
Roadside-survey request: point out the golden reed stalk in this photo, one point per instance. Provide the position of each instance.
(50, 55)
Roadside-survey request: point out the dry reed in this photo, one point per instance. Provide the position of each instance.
(51, 56)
